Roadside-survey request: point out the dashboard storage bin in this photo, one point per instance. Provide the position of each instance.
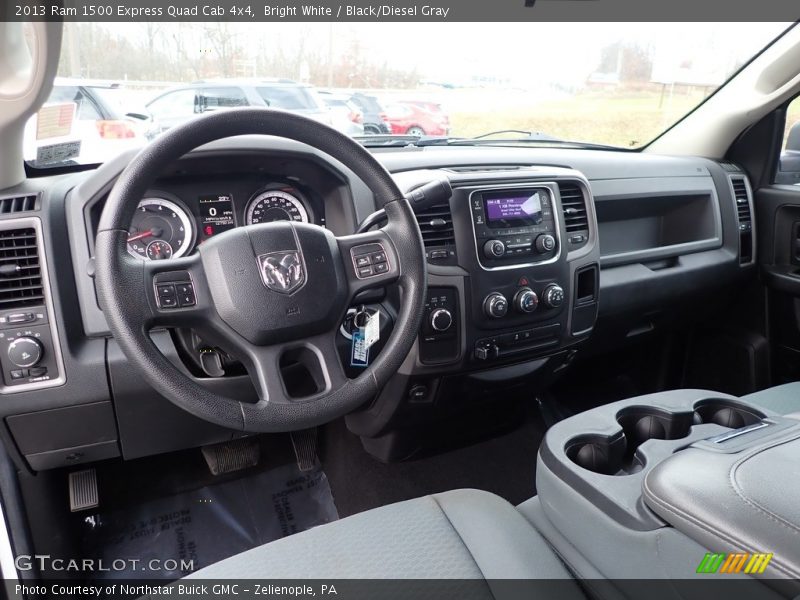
(68, 436)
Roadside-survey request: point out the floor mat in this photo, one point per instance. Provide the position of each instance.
(169, 537)
(504, 465)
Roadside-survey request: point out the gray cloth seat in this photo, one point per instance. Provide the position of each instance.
(782, 399)
(463, 534)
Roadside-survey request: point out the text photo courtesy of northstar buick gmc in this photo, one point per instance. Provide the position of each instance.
(259, 323)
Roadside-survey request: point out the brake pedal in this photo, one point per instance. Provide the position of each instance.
(232, 456)
(83, 492)
(305, 448)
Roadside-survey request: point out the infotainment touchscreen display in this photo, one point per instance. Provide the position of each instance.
(513, 208)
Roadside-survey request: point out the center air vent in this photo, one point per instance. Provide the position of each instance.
(436, 226)
(574, 210)
(741, 195)
(20, 272)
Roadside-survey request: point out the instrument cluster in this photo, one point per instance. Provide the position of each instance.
(168, 226)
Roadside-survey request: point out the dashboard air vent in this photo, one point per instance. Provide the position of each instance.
(576, 218)
(20, 272)
(436, 226)
(744, 213)
(17, 204)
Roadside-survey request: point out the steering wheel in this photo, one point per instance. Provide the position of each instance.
(264, 293)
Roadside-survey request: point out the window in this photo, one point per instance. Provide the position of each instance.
(789, 163)
(216, 98)
(85, 108)
(285, 97)
(173, 105)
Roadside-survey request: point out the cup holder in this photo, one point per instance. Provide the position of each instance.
(640, 423)
(726, 413)
(596, 453)
(616, 455)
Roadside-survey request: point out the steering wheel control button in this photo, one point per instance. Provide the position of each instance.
(526, 300)
(369, 260)
(495, 305)
(25, 352)
(185, 293)
(553, 296)
(167, 296)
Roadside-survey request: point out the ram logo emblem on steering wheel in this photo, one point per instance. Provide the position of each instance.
(283, 271)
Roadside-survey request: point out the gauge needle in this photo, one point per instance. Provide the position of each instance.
(142, 235)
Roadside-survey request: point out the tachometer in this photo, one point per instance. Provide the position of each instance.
(160, 229)
(275, 205)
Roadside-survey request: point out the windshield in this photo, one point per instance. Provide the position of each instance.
(121, 85)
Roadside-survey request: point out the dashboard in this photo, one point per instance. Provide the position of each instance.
(539, 253)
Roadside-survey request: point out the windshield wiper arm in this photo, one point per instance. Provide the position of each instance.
(499, 131)
(386, 140)
(540, 141)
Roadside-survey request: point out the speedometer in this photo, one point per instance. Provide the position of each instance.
(160, 229)
(275, 205)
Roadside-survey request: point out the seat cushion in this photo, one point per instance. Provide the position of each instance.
(782, 399)
(464, 534)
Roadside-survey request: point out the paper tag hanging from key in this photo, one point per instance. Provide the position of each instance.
(359, 349)
(372, 331)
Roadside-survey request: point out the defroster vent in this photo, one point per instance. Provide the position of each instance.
(17, 204)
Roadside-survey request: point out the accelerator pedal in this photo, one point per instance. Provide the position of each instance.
(230, 457)
(305, 448)
(83, 492)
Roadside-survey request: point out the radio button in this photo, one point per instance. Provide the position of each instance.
(545, 243)
(494, 249)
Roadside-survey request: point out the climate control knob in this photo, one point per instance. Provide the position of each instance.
(495, 305)
(25, 352)
(526, 300)
(545, 243)
(494, 249)
(441, 320)
(553, 296)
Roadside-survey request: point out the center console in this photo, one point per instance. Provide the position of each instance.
(513, 289)
(666, 478)
(530, 241)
